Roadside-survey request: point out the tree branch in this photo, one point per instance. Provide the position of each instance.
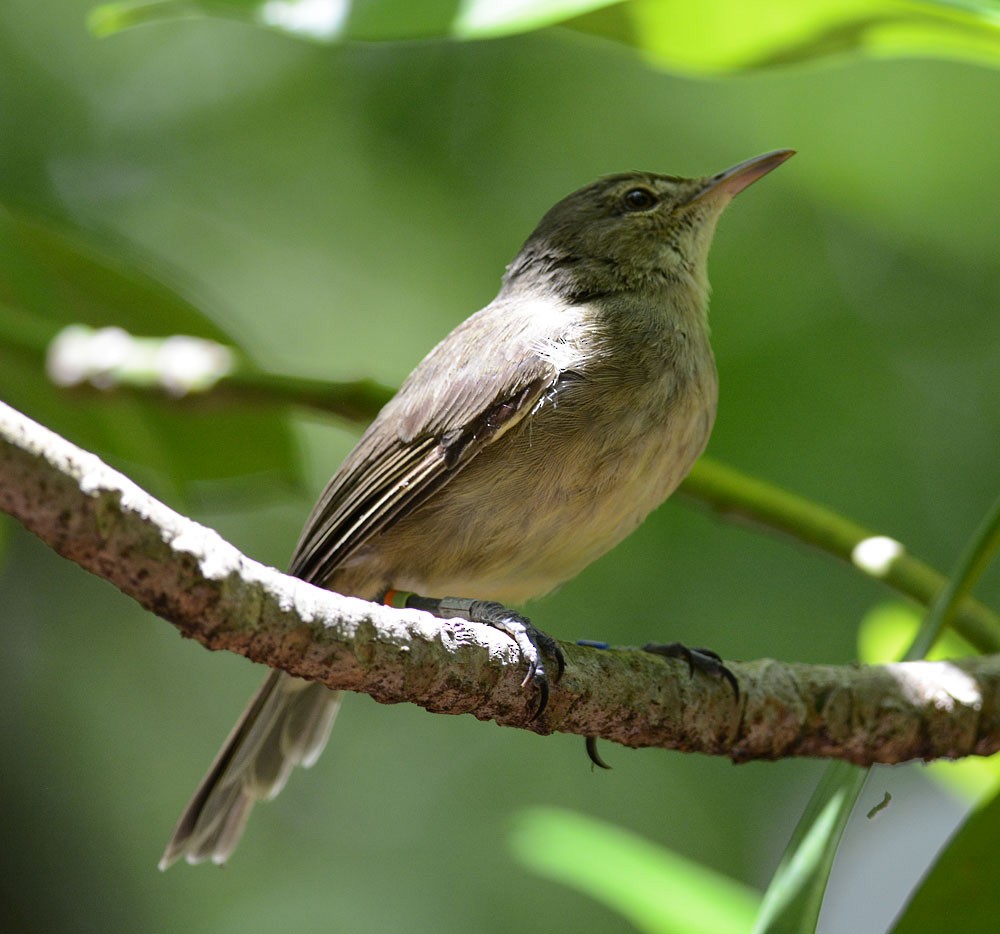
(188, 575)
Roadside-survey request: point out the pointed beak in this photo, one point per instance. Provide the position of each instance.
(730, 183)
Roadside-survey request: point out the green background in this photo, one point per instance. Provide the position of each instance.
(337, 210)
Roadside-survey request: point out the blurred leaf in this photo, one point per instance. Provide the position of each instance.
(888, 628)
(49, 280)
(886, 631)
(656, 890)
(959, 893)
(794, 898)
(367, 20)
(972, 778)
(729, 35)
(711, 36)
(972, 562)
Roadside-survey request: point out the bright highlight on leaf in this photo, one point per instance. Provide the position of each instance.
(654, 889)
(313, 19)
(479, 19)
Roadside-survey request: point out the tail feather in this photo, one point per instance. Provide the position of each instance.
(287, 723)
(308, 728)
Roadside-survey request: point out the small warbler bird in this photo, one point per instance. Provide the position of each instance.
(531, 440)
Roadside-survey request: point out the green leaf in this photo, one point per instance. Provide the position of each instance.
(959, 893)
(711, 36)
(795, 895)
(716, 36)
(50, 280)
(654, 889)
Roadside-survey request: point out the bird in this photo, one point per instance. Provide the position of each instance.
(532, 439)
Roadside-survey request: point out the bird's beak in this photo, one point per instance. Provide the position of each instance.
(730, 183)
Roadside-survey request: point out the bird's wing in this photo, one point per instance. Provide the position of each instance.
(424, 436)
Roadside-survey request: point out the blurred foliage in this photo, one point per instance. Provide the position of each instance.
(334, 210)
(656, 890)
(49, 281)
(704, 37)
(795, 896)
(959, 893)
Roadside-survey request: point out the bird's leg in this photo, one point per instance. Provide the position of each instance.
(534, 644)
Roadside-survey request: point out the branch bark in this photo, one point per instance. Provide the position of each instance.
(190, 576)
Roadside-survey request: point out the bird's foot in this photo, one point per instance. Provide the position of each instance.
(535, 645)
(703, 660)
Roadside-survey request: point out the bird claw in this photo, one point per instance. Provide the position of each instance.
(703, 660)
(594, 755)
(533, 644)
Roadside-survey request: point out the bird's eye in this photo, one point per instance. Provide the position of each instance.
(639, 199)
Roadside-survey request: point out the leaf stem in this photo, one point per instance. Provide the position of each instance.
(735, 494)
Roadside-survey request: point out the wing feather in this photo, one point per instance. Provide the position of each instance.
(425, 436)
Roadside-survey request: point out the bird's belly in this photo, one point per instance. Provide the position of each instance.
(544, 501)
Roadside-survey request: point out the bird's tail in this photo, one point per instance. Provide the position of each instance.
(287, 723)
